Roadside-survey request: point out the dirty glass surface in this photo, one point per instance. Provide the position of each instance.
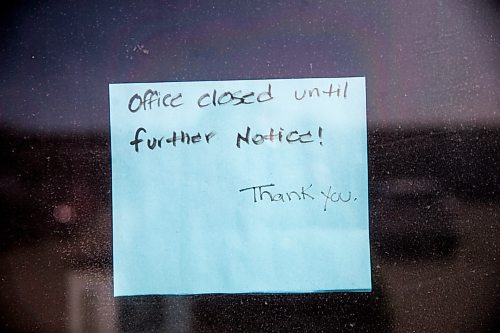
(432, 75)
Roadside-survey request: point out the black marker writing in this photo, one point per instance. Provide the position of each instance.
(151, 99)
(236, 98)
(181, 137)
(335, 197)
(259, 194)
(275, 136)
(315, 92)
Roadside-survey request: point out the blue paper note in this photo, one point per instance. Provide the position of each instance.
(252, 186)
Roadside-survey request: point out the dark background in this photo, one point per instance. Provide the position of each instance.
(432, 71)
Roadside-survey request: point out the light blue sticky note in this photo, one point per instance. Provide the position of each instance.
(246, 186)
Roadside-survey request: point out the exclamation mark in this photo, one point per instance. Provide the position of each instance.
(320, 135)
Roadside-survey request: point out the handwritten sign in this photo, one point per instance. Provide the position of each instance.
(240, 186)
